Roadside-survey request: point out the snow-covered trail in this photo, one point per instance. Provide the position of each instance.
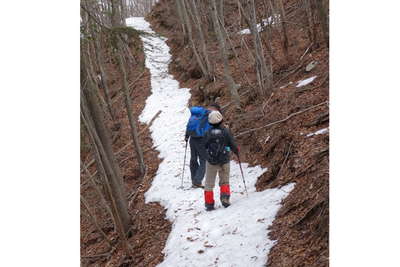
(236, 236)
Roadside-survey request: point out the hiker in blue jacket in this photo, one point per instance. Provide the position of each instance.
(195, 130)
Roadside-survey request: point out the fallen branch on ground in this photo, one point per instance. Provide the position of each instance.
(284, 161)
(305, 52)
(107, 254)
(140, 133)
(283, 120)
(150, 123)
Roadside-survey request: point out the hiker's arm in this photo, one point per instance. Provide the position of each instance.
(231, 142)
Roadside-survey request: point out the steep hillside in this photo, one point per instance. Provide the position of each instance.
(287, 133)
(151, 229)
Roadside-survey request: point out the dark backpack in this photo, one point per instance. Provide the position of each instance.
(198, 122)
(215, 147)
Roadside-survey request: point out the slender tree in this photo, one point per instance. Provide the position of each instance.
(188, 25)
(128, 104)
(233, 87)
(312, 33)
(198, 23)
(93, 117)
(103, 74)
(264, 76)
(178, 7)
(283, 27)
(120, 47)
(220, 4)
(322, 7)
(116, 16)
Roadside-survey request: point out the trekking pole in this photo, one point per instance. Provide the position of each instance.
(184, 162)
(244, 182)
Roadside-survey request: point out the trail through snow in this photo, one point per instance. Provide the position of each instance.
(235, 236)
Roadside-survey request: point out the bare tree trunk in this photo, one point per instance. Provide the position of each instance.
(221, 11)
(112, 189)
(127, 50)
(124, 13)
(311, 25)
(102, 141)
(96, 187)
(198, 24)
(181, 18)
(129, 110)
(91, 72)
(104, 167)
(323, 6)
(190, 34)
(233, 87)
(264, 75)
(283, 25)
(116, 18)
(268, 32)
(103, 76)
(128, 102)
(240, 14)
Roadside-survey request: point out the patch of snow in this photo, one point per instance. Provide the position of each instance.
(268, 21)
(236, 236)
(321, 131)
(305, 81)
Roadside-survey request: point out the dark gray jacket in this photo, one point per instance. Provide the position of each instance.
(229, 141)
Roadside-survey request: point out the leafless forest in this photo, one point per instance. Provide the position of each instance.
(251, 75)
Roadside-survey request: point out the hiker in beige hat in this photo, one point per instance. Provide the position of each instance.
(218, 143)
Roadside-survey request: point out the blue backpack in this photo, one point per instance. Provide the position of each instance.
(198, 122)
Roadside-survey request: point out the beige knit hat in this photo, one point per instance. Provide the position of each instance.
(214, 117)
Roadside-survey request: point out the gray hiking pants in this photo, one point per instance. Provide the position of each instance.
(211, 175)
(197, 159)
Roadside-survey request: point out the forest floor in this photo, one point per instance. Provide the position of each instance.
(294, 150)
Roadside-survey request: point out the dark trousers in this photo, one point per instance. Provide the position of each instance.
(197, 159)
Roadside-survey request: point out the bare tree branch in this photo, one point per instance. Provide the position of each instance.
(283, 120)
